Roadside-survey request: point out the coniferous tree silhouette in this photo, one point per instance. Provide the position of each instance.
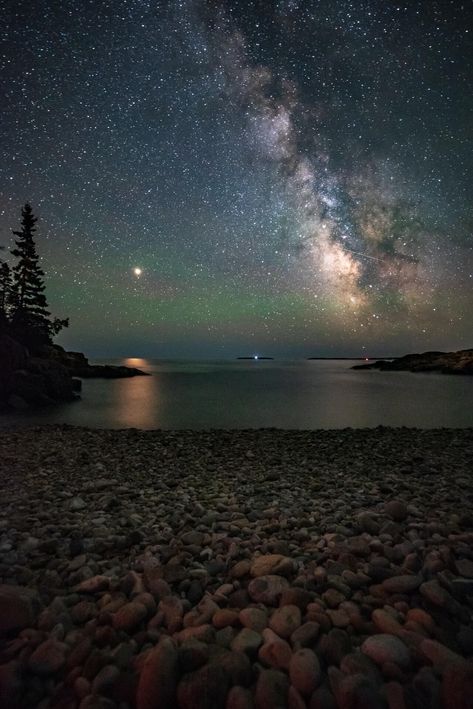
(6, 283)
(5, 293)
(29, 308)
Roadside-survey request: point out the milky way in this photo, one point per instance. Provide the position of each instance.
(293, 178)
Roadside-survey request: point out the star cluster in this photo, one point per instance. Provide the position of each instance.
(288, 176)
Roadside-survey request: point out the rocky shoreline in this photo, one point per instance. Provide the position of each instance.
(236, 569)
(459, 363)
(49, 376)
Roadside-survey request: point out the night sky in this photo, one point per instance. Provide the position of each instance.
(292, 177)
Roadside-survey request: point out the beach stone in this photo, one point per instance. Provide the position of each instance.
(192, 655)
(295, 699)
(396, 509)
(129, 616)
(275, 653)
(386, 648)
(239, 698)
(464, 567)
(105, 679)
(236, 665)
(272, 689)
(203, 689)
(93, 701)
(19, 608)
(77, 504)
(296, 597)
(224, 617)
(427, 687)
(247, 641)
(253, 618)
(10, 684)
(83, 611)
(95, 584)
(334, 645)
(240, 569)
(48, 657)
(285, 620)
(358, 663)
(385, 622)
(435, 594)
(333, 598)
(305, 635)
(369, 522)
(322, 698)
(439, 655)
(173, 611)
(193, 538)
(271, 564)
(358, 546)
(457, 686)
(304, 671)
(267, 589)
(158, 679)
(402, 584)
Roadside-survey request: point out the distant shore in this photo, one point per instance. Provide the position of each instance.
(155, 568)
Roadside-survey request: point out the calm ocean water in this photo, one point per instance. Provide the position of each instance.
(255, 394)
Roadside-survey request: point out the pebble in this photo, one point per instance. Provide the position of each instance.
(386, 648)
(201, 577)
(304, 671)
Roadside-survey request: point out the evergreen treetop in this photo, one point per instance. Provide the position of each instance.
(28, 276)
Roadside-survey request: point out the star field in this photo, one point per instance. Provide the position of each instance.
(291, 177)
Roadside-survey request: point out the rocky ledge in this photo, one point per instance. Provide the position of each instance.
(52, 376)
(236, 570)
(460, 362)
(78, 365)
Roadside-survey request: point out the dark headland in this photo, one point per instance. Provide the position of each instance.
(460, 362)
(47, 376)
(236, 569)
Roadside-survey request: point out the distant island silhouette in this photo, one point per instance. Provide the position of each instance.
(255, 357)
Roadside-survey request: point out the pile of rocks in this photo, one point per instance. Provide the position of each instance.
(236, 569)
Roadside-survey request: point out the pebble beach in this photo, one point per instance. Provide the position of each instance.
(236, 569)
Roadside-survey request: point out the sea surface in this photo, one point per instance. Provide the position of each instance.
(299, 394)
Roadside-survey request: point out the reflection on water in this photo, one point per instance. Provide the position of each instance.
(257, 394)
(138, 403)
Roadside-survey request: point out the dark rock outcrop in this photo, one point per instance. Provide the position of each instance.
(52, 376)
(78, 365)
(460, 362)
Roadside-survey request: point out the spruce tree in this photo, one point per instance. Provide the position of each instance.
(5, 288)
(29, 308)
